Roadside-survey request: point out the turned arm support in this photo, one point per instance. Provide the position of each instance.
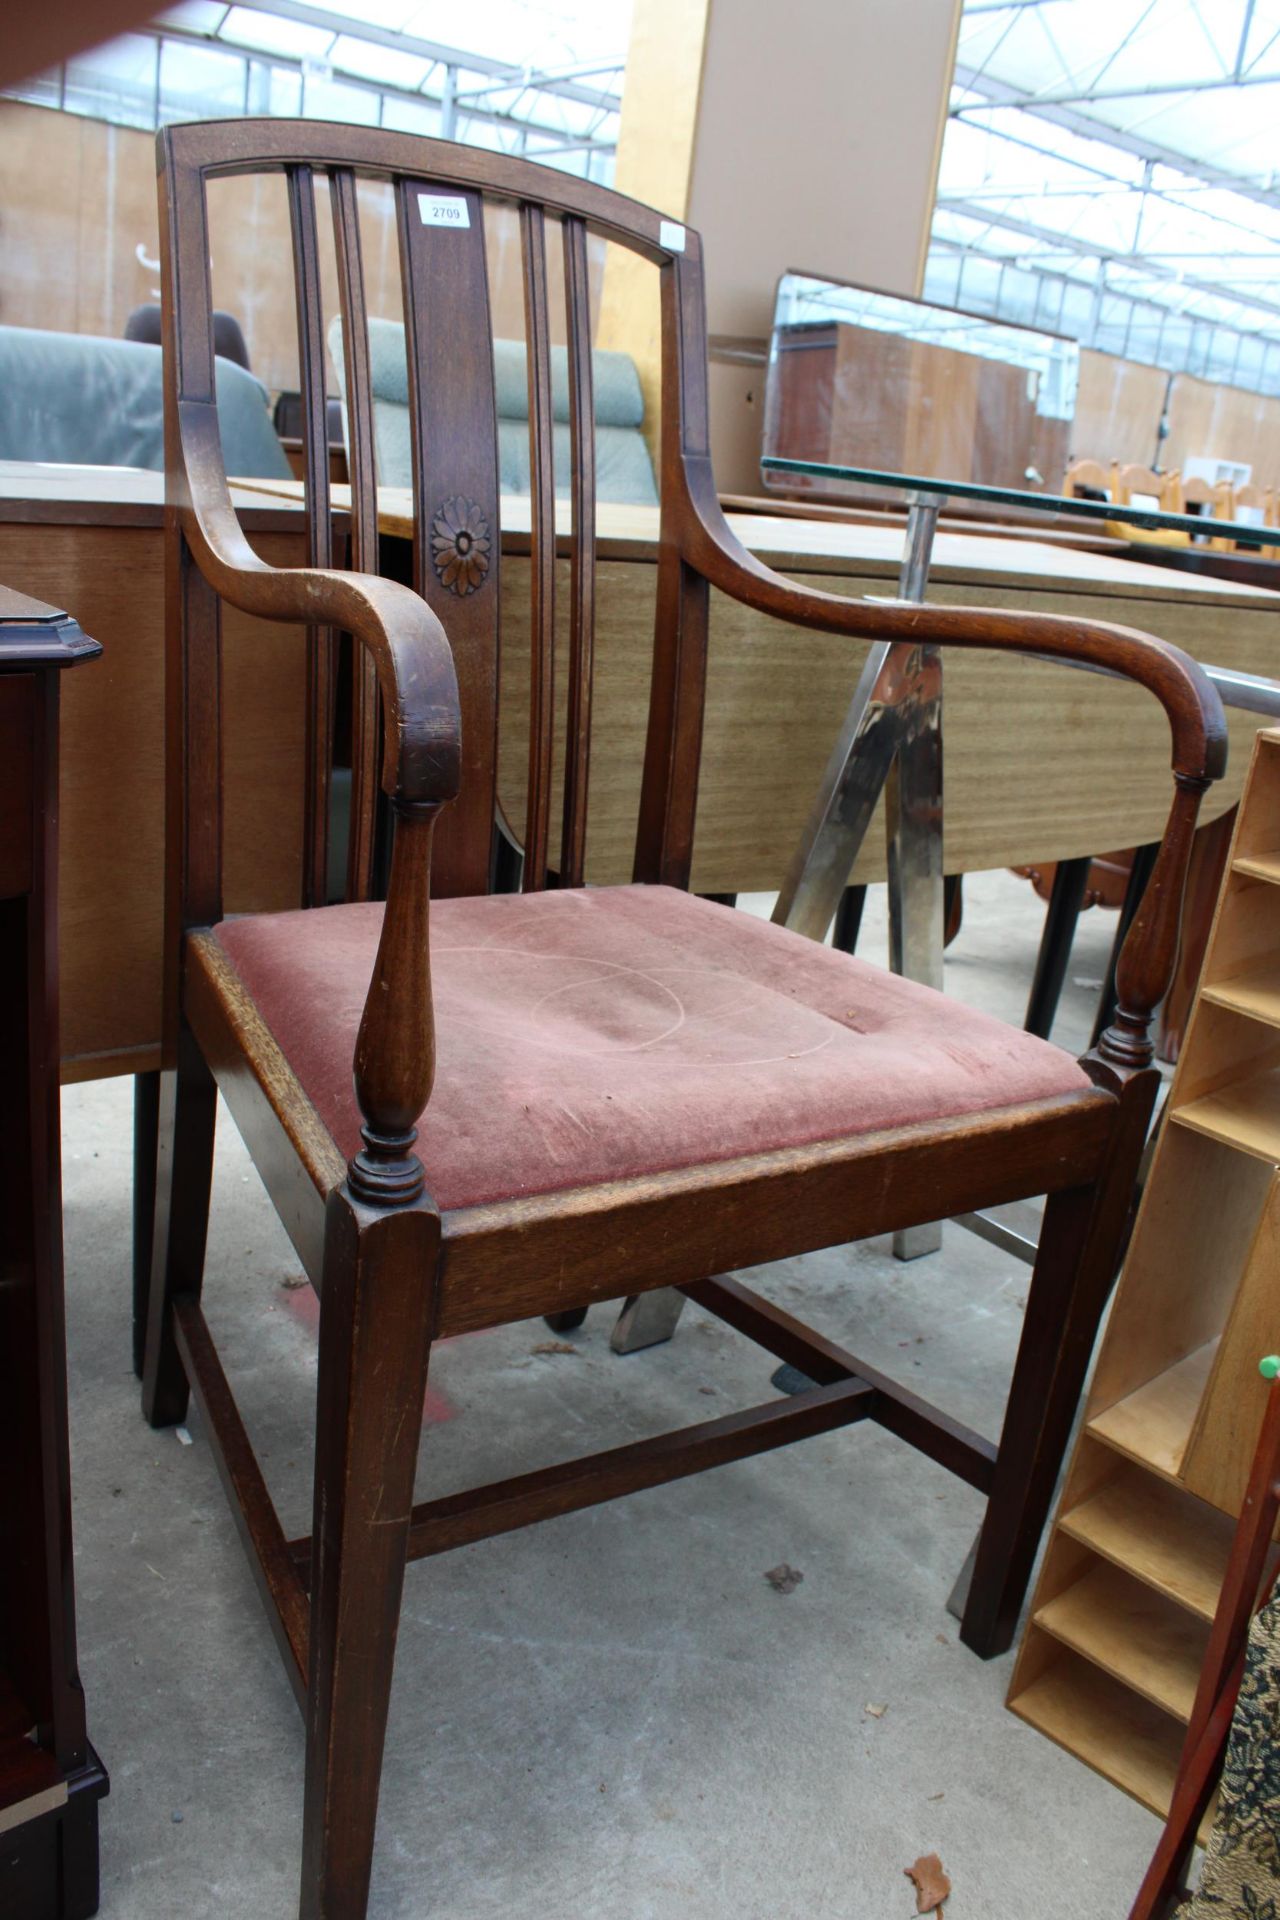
(394, 1063)
(1196, 720)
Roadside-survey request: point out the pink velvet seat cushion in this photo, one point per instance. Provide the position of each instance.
(586, 1036)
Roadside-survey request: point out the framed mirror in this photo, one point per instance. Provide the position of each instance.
(872, 380)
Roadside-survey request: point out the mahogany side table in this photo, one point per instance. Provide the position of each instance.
(50, 1777)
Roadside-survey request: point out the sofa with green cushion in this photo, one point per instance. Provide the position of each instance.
(624, 472)
(95, 402)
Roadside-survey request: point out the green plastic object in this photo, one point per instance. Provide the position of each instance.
(1269, 1367)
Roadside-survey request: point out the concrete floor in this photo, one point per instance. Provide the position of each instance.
(612, 1716)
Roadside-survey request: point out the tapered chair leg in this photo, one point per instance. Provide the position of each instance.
(183, 1175)
(375, 1320)
(1056, 1312)
(1080, 1247)
(146, 1127)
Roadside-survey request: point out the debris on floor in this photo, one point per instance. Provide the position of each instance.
(877, 1709)
(931, 1883)
(784, 1579)
(555, 1346)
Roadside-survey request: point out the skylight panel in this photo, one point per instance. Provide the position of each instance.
(247, 28)
(195, 16)
(391, 14)
(390, 66)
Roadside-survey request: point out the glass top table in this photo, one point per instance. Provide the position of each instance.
(922, 486)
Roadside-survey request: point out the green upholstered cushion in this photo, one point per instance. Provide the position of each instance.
(96, 402)
(618, 399)
(624, 472)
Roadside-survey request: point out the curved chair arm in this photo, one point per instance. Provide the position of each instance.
(1185, 691)
(394, 1063)
(1196, 720)
(422, 754)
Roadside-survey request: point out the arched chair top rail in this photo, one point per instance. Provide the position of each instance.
(217, 149)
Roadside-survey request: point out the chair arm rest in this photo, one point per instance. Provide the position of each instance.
(422, 754)
(1190, 700)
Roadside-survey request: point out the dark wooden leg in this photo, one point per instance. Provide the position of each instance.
(952, 907)
(849, 919)
(1055, 944)
(567, 1322)
(184, 1170)
(375, 1318)
(1080, 1248)
(146, 1136)
(1144, 859)
(1209, 852)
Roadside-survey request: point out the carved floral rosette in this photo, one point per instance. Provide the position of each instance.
(460, 545)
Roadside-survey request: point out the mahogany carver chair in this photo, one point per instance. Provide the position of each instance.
(561, 1095)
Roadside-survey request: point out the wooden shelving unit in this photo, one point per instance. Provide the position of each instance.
(1120, 1619)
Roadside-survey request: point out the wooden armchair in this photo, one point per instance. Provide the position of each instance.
(560, 1096)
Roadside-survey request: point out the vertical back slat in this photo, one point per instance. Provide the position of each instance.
(542, 530)
(677, 694)
(454, 429)
(321, 642)
(582, 561)
(365, 728)
(193, 611)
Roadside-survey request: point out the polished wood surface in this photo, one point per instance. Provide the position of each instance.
(50, 1778)
(92, 539)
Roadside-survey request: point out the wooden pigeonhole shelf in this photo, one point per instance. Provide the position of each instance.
(1121, 1615)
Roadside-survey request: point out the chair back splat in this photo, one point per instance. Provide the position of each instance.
(441, 191)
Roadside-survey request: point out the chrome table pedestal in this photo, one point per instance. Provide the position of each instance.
(891, 742)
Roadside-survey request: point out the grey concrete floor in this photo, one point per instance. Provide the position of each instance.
(612, 1716)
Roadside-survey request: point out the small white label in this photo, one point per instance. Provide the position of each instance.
(443, 210)
(671, 236)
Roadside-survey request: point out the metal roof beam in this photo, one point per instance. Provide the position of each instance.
(1157, 88)
(1063, 242)
(1000, 93)
(293, 63)
(307, 16)
(531, 77)
(1237, 73)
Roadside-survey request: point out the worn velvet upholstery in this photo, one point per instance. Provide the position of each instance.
(592, 1035)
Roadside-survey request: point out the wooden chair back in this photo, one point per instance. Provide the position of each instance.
(1087, 473)
(1260, 500)
(1213, 496)
(1129, 479)
(1191, 491)
(440, 193)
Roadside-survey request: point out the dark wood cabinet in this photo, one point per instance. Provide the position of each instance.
(50, 1777)
(854, 395)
